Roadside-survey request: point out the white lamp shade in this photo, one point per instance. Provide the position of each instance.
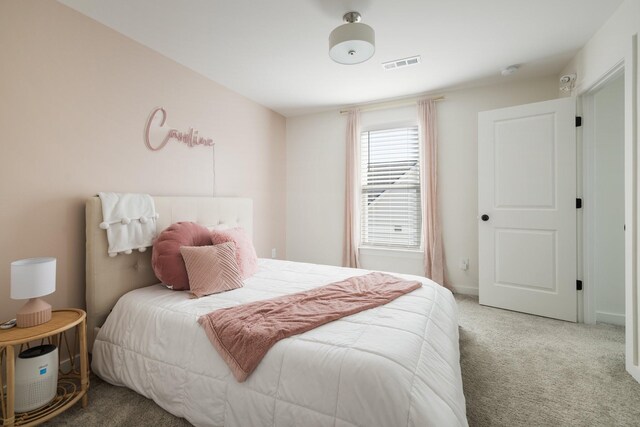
(33, 277)
(352, 43)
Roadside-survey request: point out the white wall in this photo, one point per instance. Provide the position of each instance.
(607, 47)
(607, 238)
(316, 169)
(315, 187)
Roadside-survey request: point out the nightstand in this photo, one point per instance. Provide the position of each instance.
(73, 380)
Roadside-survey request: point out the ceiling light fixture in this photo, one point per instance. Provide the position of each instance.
(353, 42)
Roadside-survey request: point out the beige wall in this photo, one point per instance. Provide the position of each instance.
(315, 179)
(74, 98)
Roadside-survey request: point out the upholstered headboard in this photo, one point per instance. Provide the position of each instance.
(108, 278)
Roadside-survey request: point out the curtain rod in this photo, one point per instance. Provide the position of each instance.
(391, 104)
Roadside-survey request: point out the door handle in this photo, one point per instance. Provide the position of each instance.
(485, 217)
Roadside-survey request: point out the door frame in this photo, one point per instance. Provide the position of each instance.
(632, 219)
(632, 294)
(586, 182)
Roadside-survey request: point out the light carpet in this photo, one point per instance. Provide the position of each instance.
(518, 370)
(523, 370)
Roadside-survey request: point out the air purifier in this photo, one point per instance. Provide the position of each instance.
(36, 378)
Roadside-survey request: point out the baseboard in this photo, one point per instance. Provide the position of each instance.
(465, 290)
(65, 365)
(611, 318)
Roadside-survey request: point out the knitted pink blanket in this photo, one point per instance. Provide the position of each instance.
(243, 334)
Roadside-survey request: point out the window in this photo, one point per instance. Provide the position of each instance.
(390, 202)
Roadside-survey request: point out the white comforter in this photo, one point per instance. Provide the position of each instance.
(395, 365)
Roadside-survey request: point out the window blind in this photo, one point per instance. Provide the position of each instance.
(390, 200)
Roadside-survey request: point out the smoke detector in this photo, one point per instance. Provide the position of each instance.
(511, 69)
(400, 63)
(567, 82)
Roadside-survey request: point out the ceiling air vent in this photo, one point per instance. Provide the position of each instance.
(400, 63)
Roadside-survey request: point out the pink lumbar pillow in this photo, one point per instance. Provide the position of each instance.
(245, 252)
(166, 258)
(211, 269)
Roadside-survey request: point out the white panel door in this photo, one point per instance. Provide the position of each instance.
(527, 208)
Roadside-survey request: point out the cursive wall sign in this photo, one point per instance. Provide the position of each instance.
(161, 134)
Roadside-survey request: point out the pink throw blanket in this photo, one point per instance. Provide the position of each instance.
(243, 334)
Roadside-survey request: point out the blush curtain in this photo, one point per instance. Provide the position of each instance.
(350, 256)
(431, 230)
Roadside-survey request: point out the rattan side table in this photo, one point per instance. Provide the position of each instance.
(73, 382)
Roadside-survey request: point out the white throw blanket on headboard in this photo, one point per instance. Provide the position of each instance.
(130, 221)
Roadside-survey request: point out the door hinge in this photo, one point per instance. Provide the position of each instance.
(578, 121)
(579, 285)
(578, 203)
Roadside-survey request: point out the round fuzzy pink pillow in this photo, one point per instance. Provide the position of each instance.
(166, 258)
(245, 252)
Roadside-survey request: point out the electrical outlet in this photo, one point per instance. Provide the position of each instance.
(464, 264)
(273, 253)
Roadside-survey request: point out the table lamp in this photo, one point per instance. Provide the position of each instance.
(32, 278)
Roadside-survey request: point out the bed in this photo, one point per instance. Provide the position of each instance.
(395, 365)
